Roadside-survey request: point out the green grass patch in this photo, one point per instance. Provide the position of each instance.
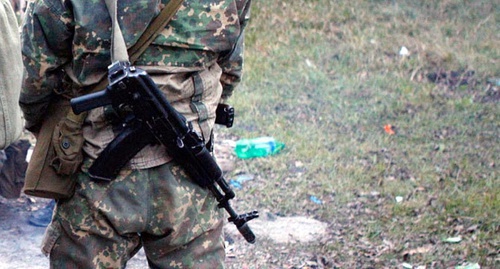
(325, 77)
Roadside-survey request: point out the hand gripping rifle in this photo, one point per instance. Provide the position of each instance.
(151, 119)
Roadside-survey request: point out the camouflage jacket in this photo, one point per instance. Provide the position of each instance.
(66, 48)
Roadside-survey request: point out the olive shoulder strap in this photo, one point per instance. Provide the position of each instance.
(154, 28)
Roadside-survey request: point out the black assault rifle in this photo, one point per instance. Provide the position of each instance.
(148, 118)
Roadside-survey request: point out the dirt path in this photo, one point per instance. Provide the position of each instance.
(19, 246)
(20, 241)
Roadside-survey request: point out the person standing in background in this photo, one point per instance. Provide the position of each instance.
(11, 123)
(11, 72)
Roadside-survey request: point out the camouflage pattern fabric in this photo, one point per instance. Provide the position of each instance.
(105, 224)
(66, 44)
(66, 49)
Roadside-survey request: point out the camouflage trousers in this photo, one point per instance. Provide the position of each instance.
(160, 209)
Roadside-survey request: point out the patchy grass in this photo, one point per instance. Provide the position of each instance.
(325, 77)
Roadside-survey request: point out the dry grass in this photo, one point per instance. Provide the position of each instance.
(325, 77)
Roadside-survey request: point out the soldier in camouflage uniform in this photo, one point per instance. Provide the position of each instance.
(197, 62)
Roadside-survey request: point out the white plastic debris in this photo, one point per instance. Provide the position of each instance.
(469, 266)
(406, 265)
(457, 239)
(404, 51)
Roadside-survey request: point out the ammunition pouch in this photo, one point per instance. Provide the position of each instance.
(41, 179)
(67, 140)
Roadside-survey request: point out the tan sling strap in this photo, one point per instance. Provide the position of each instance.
(155, 27)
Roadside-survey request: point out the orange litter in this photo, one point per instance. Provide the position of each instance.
(388, 129)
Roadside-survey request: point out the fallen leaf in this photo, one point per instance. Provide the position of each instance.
(420, 250)
(389, 129)
(472, 228)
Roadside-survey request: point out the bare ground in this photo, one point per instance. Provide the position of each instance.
(20, 241)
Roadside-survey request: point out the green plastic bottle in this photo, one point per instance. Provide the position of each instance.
(257, 147)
